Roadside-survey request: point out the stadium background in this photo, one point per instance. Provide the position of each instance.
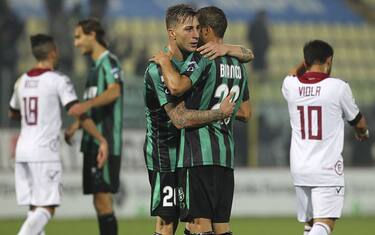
(135, 30)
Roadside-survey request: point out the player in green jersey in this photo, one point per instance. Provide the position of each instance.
(206, 153)
(104, 104)
(181, 44)
(164, 116)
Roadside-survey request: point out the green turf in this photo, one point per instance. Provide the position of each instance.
(243, 226)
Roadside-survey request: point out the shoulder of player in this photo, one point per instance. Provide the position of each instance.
(110, 61)
(337, 80)
(153, 71)
(290, 78)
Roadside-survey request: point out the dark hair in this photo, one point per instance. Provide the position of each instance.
(41, 46)
(178, 13)
(213, 17)
(93, 25)
(316, 52)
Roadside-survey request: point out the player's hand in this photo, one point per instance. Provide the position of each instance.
(362, 136)
(102, 154)
(298, 71)
(212, 50)
(69, 132)
(162, 57)
(227, 106)
(78, 109)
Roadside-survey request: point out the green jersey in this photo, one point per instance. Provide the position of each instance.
(212, 81)
(108, 118)
(162, 137)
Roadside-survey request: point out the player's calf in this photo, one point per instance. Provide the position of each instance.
(35, 223)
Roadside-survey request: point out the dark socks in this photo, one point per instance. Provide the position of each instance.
(107, 224)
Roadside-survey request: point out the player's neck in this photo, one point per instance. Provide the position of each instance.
(317, 69)
(97, 51)
(216, 39)
(176, 52)
(44, 65)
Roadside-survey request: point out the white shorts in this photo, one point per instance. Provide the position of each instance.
(319, 202)
(38, 183)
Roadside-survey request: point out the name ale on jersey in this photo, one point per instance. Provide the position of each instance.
(307, 91)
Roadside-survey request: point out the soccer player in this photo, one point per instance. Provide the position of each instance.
(104, 104)
(206, 153)
(36, 100)
(162, 109)
(318, 106)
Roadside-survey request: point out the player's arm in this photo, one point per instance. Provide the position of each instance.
(177, 83)
(108, 96)
(89, 126)
(299, 70)
(352, 114)
(14, 106)
(182, 117)
(359, 125)
(14, 114)
(212, 50)
(244, 112)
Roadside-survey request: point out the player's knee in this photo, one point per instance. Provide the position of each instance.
(166, 224)
(103, 203)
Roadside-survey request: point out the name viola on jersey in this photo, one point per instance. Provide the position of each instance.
(309, 91)
(230, 71)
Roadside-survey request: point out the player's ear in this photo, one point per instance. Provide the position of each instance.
(172, 34)
(305, 64)
(92, 35)
(329, 60)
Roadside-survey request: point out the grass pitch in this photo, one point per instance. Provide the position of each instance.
(240, 226)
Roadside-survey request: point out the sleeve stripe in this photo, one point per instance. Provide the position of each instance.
(13, 109)
(355, 121)
(70, 104)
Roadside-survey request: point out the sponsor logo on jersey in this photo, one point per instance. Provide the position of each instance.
(90, 92)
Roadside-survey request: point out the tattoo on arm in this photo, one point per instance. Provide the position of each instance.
(182, 117)
(246, 53)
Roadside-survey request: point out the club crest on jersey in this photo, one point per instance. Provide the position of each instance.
(90, 92)
(192, 65)
(53, 145)
(181, 197)
(339, 167)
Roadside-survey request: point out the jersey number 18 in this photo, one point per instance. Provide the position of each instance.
(30, 107)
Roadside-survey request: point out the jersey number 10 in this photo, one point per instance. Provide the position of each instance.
(311, 112)
(30, 107)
